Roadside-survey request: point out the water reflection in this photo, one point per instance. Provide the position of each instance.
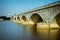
(58, 35)
(44, 34)
(13, 31)
(53, 34)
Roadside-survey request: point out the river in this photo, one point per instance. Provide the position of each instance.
(13, 31)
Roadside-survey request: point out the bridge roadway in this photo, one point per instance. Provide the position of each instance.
(42, 16)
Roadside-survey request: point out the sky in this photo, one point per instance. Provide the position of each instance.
(14, 7)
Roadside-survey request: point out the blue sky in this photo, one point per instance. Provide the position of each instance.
(11, 7)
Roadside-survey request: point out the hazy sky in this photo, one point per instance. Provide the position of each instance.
(11, 7)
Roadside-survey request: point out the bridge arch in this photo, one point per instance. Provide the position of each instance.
(23, 18)
(56, 19)
(14, 18)
(18, 18)
(36, 18)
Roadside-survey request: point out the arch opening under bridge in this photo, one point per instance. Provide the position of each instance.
(15, 18)
(24, 18)
(56, 21)
(36, 18)
(18, 18)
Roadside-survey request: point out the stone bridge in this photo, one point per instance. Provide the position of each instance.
(42, 16)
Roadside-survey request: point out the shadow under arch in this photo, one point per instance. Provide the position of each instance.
(15, 18)
(24, 18)
(58, 19)
(36, 18)
(18, 18)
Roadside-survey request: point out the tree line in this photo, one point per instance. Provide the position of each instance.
(4, 18)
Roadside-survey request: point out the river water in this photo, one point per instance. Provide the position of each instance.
(13, 31)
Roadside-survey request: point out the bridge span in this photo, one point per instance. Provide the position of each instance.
(44, 16)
